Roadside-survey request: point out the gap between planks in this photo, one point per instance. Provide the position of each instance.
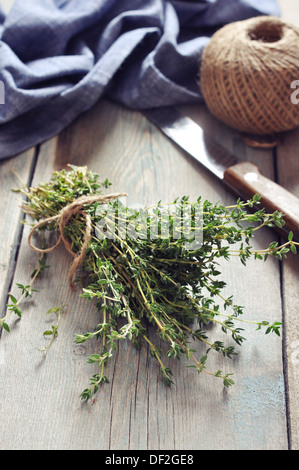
(12, 228)
(140, 412)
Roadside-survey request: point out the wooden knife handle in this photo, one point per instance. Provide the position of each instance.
(246, 180)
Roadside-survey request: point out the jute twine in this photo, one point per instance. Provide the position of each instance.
(64, 217)
(246, 73)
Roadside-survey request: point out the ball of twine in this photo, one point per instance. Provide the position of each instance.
(246, 74)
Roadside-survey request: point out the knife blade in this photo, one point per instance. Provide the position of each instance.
(242, 178)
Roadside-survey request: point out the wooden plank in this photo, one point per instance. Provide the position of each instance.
(288, 170)
(11, 228)
(136, 411)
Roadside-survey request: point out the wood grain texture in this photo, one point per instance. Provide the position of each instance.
(136, 410)
(11, 228)
(288, 176)
(288, 170)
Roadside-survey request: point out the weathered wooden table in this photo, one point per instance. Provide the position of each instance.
(40, 405)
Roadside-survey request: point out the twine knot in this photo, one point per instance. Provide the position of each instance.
(64, 217)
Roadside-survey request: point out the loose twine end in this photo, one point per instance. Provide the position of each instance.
(64, 216)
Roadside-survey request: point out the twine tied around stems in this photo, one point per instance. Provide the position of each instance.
(64, 217)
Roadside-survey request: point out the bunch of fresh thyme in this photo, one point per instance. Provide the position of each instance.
(169, 281)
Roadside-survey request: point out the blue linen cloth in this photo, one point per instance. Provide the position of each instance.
(58, 57)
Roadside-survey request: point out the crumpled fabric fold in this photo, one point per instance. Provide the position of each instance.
(59, 57)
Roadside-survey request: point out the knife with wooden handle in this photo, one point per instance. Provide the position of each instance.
(241, 177)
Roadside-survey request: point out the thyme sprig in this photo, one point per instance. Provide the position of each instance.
(13, 306)
(137, 281)
(53, 332)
